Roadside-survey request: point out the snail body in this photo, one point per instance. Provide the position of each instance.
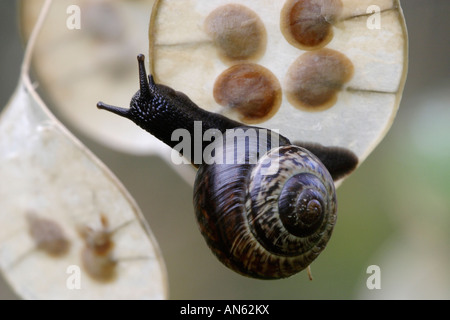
(268, 212)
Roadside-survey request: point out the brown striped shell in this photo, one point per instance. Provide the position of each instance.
(268, 219)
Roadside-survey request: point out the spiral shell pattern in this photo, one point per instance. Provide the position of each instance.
(270, 219)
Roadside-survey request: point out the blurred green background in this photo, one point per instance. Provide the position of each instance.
(394, 211)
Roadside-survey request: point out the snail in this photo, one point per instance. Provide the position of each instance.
(270, 211)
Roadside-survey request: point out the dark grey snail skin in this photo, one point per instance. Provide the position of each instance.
(262, 224)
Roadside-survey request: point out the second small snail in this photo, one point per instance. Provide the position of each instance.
(269, 213)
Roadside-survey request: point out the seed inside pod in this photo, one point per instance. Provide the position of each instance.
(237, 31)
(307, 24)
(47, 234)
(249, 89)
(97, 254)
(315, 78)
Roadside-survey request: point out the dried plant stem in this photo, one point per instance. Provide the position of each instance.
(308, 270)
(32, 40)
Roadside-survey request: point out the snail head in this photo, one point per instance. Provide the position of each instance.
(140, 104)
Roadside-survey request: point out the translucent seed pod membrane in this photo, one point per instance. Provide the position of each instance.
(324, 71)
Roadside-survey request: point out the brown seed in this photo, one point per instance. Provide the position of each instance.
(97, 254)
(237, 31)
(315, 78)
(249, 89)
(307, 24)
(47, 235)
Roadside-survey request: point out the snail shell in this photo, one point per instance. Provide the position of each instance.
(266, 224)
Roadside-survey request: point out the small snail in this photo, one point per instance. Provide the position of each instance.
(269, 212)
